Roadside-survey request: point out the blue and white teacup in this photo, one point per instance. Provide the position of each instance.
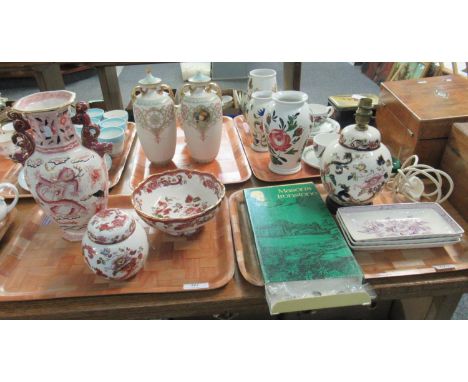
(113, 122)
(114, 135)
(121, 114)
(95, 114)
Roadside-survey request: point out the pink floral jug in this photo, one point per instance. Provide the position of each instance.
(69, 181)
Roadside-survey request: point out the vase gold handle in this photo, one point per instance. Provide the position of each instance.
(168, 90)
(213, 86)
(184, 90)
(135, 91)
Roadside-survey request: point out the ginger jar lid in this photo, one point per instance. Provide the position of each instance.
(110, 226)
(361, 136)
(149, 80)
(199, 78)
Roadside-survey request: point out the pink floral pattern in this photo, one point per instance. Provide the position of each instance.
(68, 181)
(171, 207)
(116, 264)
(53, 131)
(396, 227)
(110, 226)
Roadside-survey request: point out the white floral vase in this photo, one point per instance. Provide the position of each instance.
(287, 127)
(356, 166)
(255, 113)
(201, 114)
(69, 181)
(115, 245)
(154, 113)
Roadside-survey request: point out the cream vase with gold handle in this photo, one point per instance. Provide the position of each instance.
(201, 114)
(153, 109)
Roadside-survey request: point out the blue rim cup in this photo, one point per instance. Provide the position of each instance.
(121, 114)
(113, 122)
(95, 114)
(114, 135)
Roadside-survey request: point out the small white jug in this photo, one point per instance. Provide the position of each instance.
(6, 208)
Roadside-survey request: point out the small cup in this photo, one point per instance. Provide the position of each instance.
(5, 208)
(321, 141)
(114, 135)
(95, 114)
(8, 128)
(319, 114)
(255, 115)
(6, 145)
(121, 114)
(113, 122)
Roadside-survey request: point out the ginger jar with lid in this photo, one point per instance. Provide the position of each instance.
(115, 245)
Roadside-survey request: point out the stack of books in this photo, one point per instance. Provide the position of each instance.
(397, 226)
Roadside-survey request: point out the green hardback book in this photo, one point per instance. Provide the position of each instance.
(305, 261)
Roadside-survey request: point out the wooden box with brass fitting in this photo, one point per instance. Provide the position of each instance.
(416, 116)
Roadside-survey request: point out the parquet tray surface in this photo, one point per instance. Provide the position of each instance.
(230, 166)
(38, 264)
(259, 161)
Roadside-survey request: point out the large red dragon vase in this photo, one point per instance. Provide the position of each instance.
(69, 181)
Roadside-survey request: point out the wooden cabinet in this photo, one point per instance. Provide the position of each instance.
(455, 163)
(415, 116)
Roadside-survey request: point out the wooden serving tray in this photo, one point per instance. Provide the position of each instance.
(118, 163)
(230, 166)
(374, 264)
(38, 264)
(9, 170)
(259, 161)
(5, 223)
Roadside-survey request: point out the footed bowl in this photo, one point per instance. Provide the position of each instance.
(178, 202)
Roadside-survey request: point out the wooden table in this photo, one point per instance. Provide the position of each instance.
(427, 296)
(49, 77)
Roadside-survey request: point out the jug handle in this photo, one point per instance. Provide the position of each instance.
(26, 145)
(135, 91)
(21, 138)
(168, 89)
(213, 86)
(11, 187)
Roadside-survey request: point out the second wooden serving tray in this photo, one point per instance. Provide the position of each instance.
(36, 263)
(374, 264)
(259, 161)
(230, 166)
(9, 170)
